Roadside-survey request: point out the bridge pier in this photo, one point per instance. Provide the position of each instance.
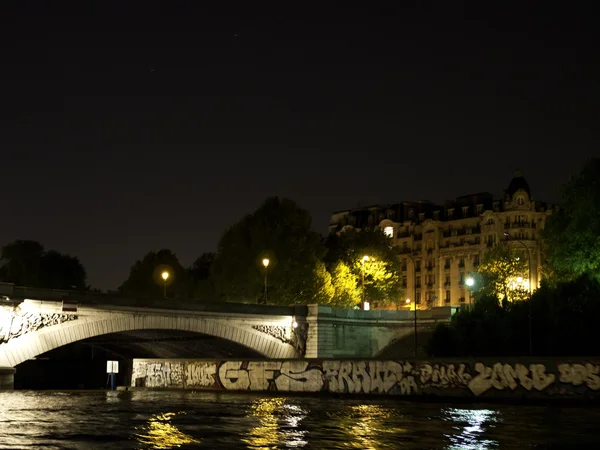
(7, 378)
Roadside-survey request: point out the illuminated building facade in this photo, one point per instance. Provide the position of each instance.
(441, 245)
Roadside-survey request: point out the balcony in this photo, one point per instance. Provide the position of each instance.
(429, 268)
(429, 285)
(447, 284)
(461, 265)
(446, 266)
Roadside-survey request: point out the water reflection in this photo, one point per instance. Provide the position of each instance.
(278, 422)
(159, 433)
(471, 426)
(367, 425)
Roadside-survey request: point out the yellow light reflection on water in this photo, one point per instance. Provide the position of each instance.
(278, 424)
(365, 423)
(159, 433)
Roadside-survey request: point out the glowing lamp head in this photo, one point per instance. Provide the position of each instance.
(295, 324)
(365, 258)
(470, 281)
(519, 279)
(266, 262)
(165, 276)
(408, 301)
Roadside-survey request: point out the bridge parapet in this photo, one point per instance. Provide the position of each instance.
(347, 333)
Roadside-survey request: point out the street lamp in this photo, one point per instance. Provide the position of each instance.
(165, 277)
(266, 262)
(364, 259)
(415, 331)
(470, 283)
(508, 236)
(415, 297)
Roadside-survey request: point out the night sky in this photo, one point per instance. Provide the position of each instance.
(135, 128)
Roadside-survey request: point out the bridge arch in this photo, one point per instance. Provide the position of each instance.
(267, 340)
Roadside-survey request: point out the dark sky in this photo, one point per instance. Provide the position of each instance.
(133, 128)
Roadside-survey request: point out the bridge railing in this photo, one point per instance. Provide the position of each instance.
(84, 298)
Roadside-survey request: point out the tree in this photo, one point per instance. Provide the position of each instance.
(201, 286)
(281, 231)
(503, 271)
(145, 277)
(346, 252)
(60, 271)
(22, 262)
(347, 293)
(26, 263)
(564, 324)
(572, 233)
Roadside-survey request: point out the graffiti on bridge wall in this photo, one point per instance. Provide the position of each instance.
(367, 377)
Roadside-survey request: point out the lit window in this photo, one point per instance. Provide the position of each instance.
(389, 231)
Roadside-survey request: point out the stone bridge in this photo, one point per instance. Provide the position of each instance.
(30, 328)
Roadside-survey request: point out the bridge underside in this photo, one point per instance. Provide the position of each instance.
(161, 344)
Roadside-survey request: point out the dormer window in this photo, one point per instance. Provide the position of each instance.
(465, 210)
(421, 217)
(436, 215)
(520, 200)
(479, 209)
(450, 213)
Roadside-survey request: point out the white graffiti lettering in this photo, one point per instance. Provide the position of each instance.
(580, 374)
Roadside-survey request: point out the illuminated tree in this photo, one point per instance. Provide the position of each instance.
(572, 233)
(345, 261)
(347, 293)
(503, 273)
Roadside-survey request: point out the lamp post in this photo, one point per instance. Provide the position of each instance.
(415, 297)
(508, 236)
(265, 263)
(165, 277)
(470, 283)
(364, 259)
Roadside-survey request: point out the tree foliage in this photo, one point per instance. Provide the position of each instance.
(200, 283)
(500, 271)
(347, 292)
(572, 233)
(563, 319)
(145, 277)
(345, 260)
(281, 231)
(26, 263)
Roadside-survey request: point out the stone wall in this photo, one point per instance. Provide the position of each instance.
(575, 379)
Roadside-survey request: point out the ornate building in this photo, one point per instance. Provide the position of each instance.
(441, 245)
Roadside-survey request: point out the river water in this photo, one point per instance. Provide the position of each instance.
(207, 420)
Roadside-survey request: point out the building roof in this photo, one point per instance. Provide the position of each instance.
(518, 182)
